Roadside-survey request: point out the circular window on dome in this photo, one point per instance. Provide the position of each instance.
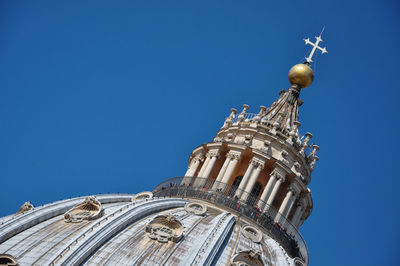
(247, 258)
(143, 195)
(252, 233)
(89, 209)
(196, 208)
(299, 262)
(164, 228)
(8, 260)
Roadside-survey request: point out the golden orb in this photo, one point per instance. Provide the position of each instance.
(302, 75)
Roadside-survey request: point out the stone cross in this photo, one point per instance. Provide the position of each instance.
(315, 46)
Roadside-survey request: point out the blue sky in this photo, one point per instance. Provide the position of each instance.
(112, 96)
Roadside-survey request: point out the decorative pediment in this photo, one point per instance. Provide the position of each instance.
(165, 228)
(27, 206)
(143, 195)
(196, 208)
(247, 258)
(89, 209)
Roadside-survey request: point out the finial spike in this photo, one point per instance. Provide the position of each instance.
(322, 31)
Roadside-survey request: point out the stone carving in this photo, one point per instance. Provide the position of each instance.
(196, 208)
(239, 140)
(199, 157)
(294, 130)
(233, 155)
(164, 228)
(89, 209)
(8, 260)
(257, 163)
(313, 162)
(285, 157)
(292, 189)
(257, 118)
(27, 206)
(277, 175)
(229, 137)
(248, 139)
(304, 145)
(243, 113)
(229, 119)
(218, 139)
(251, 233)
(314, 151)
(213, 153)
(247, 258)
(143, 195)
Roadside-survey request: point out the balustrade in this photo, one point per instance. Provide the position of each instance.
(270, 219)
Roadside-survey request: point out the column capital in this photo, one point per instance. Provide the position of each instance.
(198, 157)
(294, 190)
(301, 204)
(257, 163)
(213, 153)
(278, 173)
(280, 178)
(233, 155)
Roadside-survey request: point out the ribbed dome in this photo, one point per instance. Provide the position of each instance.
(121, 237)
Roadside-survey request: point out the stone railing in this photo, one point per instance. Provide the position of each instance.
(224, 195)
(247, 117)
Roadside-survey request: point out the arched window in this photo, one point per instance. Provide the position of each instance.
(252, 199)
(235, 185)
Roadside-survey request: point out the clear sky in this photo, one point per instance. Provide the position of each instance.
(112, 96)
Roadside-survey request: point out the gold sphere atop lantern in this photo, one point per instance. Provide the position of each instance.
(302, 75)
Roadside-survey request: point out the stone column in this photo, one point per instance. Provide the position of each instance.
(200, 174)
(298, 213)
(203, 168)
(246, 178)
(287, 203)
(221, 172)
(212, 155)
(259, 165)
(271, 198)
(234, 159)
(194, 164)
(268, 189)
(301, 220)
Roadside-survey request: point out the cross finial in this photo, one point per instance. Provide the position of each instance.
(315, 46)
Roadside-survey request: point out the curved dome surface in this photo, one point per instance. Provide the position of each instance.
(119, 237)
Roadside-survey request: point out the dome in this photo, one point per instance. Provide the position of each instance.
(149, 231)
(302, 75)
